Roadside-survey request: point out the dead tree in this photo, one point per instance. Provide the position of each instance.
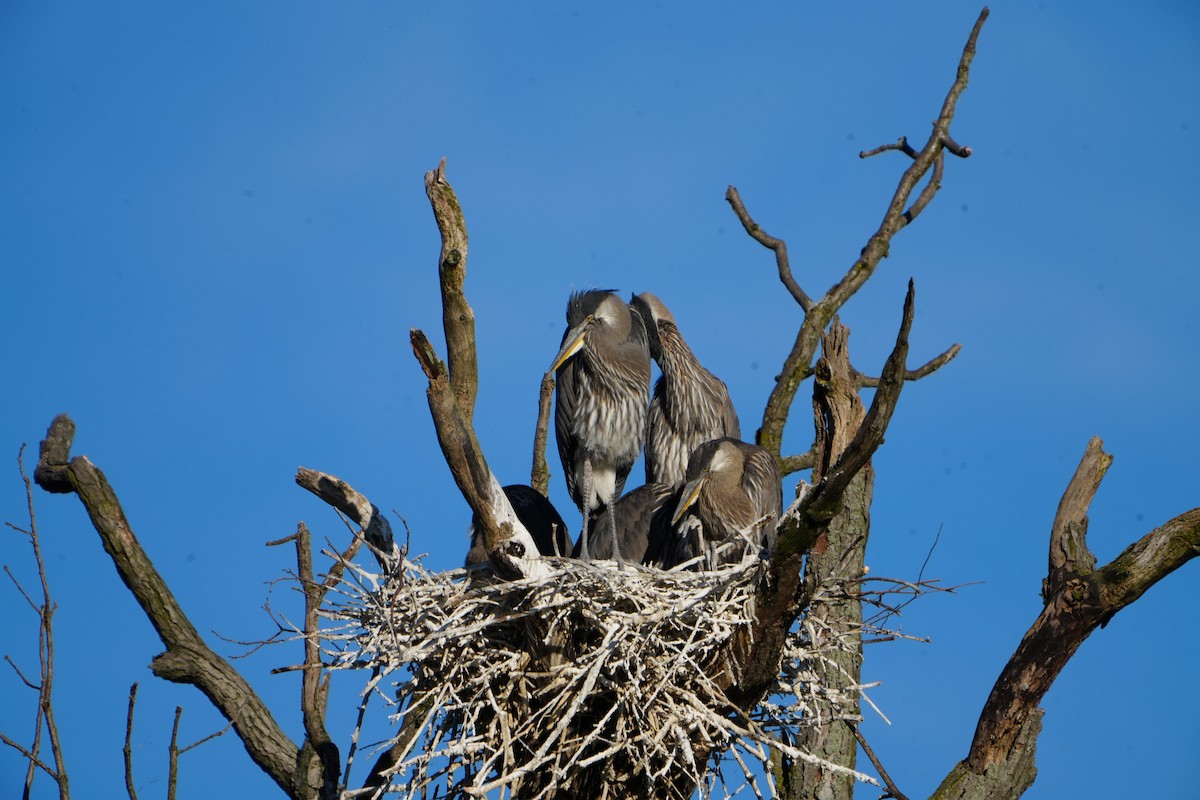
(815, 573)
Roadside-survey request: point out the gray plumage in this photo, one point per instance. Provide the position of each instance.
(537, 514)
(690, 405)
(733, 494)
(603, 380)
(635, 514)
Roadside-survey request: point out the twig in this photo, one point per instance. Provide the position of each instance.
(892, 791)
(44, 714)
(540, 474)
(128, 749)
(900, 144)
(926, 369)
(778, 246)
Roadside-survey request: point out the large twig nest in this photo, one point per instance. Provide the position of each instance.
(583, 681)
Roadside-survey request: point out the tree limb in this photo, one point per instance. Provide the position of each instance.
(451, 396)
(1079, 599)
(339, 494)
(899, 213)
(458, 319)
(187, 658)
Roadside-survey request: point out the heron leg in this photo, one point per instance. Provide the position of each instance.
(612, 526)
(587, 496)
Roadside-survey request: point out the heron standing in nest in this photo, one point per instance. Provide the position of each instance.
(602, 383)
(733, 495)
(690, 405)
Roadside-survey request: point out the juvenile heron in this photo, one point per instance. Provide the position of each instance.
(734, 493)
(603, 380)
(690, 405)
(537, 514)
(634, 515)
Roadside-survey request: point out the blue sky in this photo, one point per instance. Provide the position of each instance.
(214, 240)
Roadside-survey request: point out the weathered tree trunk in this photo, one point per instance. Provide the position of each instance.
(834, 616)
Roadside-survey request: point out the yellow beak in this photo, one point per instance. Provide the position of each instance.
(688, 497)
(571, 344)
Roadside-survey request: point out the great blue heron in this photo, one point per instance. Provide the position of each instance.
(603, 380)
(733, 495)
(634, 515)
(537, 514)
(690, 405)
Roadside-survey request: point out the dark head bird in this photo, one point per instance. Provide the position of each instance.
(603, 381)
(537, 514)
(733, 494)
(690, 405)
(634, 515)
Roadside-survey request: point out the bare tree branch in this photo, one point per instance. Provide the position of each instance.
(187, 658)
(1079, 599)
(928, 368)
(899, 213)
(44, 714)
(540, 475)
(314, 683)
(892, 790)
(451, 397)
(339, 494)
(458, 319)
(127, 751)
(779, 246)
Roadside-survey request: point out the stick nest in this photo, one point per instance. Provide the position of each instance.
(585, 683)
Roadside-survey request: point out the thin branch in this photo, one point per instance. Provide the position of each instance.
(313, 693)
(899, 213)
(795, 463)
(44, 713)
(173, 756)
(928, 368)
(540, 474)
(778, 246)
(824, 501)
(128, 749)
(900, 144)
(892, 791)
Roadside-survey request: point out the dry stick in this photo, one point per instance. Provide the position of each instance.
(926, 369)
(128, 750)
(883, 773)
(779, 246)
(314, 695)
(540, 474)
(45, 611)
(187, 658)
(173, 756)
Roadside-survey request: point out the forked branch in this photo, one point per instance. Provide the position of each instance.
(1079, 598)
(902, 209)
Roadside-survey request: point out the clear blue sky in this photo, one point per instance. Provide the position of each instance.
(214, 240)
